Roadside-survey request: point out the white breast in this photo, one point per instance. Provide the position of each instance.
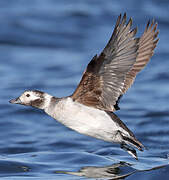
(85, 120)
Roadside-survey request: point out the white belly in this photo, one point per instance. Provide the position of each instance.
(86, 120)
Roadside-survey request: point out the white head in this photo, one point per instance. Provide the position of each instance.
(33, 98)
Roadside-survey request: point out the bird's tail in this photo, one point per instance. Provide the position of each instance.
(127, 140)
(129, 143)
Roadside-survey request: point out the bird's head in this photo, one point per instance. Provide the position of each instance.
(33, 98)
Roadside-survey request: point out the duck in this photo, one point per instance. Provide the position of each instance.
(90, 109)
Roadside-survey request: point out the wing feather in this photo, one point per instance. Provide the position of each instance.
(147, 43)
(103, 80)
(109, 75)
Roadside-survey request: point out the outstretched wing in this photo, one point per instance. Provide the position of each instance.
(104, 79)
(147, 43)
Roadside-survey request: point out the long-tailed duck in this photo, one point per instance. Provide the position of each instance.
(90, 109)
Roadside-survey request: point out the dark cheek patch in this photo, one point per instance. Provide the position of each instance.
(37, 103)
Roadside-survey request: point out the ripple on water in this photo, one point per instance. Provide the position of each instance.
(52, 164)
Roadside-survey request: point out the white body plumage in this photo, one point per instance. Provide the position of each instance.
(86, 120)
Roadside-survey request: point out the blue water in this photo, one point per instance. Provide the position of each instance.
(46, 45)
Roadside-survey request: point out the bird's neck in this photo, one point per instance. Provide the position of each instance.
(50, 103)
(57, 108)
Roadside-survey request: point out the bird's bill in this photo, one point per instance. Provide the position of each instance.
(15, 101)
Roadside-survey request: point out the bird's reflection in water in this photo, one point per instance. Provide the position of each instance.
(115, 171)
(119, 170)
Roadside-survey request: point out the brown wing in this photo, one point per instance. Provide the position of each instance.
(147, 43)
(103, 81)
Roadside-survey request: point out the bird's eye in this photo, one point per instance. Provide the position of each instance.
(27, 95)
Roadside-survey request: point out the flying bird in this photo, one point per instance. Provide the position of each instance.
(90, 109)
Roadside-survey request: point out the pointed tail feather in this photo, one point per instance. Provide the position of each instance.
(128, 144)
(130, 150)
(134, 142)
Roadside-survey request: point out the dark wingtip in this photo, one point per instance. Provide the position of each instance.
(124, 16)
(130, 22)
(118, 21)
(147, 25)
